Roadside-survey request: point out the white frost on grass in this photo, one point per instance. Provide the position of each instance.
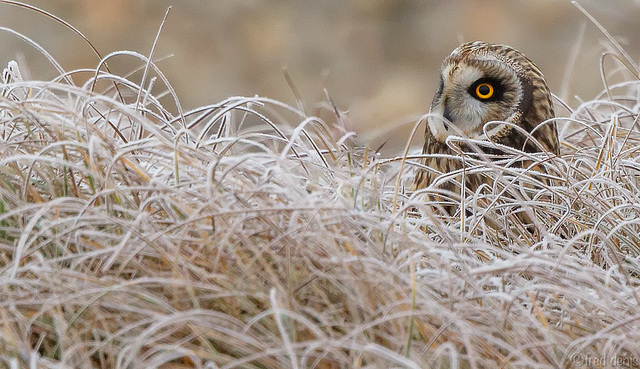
(249, 234)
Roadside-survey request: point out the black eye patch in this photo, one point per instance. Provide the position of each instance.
(486, 89)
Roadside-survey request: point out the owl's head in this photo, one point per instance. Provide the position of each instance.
(480, 83)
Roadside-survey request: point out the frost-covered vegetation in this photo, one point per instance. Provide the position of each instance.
(250, 234)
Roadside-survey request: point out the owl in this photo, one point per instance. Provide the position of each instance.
(482, 83)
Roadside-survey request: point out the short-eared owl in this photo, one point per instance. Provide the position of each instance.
(481, 83)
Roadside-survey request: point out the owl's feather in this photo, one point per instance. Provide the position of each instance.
(521, 98)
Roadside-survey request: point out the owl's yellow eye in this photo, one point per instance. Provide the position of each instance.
(484, 91)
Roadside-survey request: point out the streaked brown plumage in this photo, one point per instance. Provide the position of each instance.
(481, 83)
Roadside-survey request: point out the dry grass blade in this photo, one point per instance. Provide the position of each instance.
(246, 234)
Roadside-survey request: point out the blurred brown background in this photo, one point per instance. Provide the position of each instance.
(378, 59)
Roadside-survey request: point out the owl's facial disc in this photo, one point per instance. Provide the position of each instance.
(471, 94)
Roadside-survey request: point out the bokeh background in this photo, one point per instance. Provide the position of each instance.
(378, 59)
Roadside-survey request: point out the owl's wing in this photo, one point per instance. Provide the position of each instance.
(425, 177)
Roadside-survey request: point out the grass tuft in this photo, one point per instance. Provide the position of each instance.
(248, 234)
